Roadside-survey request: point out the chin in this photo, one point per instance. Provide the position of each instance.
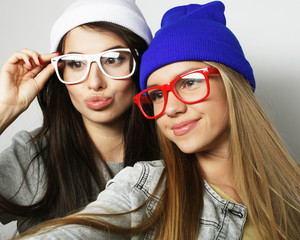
(189, 149)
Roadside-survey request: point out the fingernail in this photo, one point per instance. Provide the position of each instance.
(40, 61)
(60, 65)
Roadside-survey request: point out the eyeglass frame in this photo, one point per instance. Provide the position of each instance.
(90, 59)
(170, 87)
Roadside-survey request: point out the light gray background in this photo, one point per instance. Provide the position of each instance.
(268, 31)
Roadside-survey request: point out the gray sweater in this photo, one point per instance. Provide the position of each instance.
(29, 189)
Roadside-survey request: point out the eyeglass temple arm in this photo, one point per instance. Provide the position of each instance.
(213, 70)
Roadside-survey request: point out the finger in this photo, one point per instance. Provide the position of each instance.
(40, 59)
(34, 55)
(35, 70)
(43, 76)
(36, 85)
(19, 56)
(30, 52)
(45, 58)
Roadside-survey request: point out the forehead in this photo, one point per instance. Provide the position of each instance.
(87, 40)
(168, 72)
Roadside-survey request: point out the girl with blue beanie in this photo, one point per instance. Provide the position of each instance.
(225, 173)
(91, 128)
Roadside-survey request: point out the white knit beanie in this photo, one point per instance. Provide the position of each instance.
(122, 12)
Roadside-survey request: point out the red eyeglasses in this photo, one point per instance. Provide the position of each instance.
(190, 88)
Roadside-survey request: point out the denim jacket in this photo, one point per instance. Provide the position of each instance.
(220, 219)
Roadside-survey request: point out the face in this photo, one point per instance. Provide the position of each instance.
(194, 128)
(99, 99)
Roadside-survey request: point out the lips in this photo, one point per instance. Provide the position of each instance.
(97, 102)
(184, 127)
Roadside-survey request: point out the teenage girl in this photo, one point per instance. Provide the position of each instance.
(91, 127)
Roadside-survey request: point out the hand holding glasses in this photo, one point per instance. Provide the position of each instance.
(74, 68)
(190, 88)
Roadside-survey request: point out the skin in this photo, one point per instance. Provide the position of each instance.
(22, 76)
(25, 73)
(105, 125)
(201, 129)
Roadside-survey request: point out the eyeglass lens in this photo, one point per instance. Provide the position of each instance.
(189, 88)
(75, 67)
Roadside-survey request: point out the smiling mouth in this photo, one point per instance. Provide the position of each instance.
(183, 128)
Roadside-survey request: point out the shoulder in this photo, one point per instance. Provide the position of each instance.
(142, 177)
(140, 172)
(23, 139)
(26, 135)
(129, 189)
(22, 147)
(17, 165)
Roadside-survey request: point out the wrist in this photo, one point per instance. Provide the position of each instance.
(8, 114)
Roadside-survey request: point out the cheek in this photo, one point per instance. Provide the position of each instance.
(220, 109)
(218, 105)
(222, 119)
(159, 123)
(128, 88)
(218, 119)
(74, 92)
(217, 113)
(162, 124)
(125, 90)
(124, 95)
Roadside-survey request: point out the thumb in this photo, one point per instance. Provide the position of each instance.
(43, 76)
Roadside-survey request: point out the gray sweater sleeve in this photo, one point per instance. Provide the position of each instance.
(14, 166)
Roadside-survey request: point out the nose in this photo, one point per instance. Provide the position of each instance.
(96, 79)
(174, 106)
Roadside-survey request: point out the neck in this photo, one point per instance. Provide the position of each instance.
(109, 140)
(216, 167)
(217, 170)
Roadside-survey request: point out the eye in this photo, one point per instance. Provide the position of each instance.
(156, 95)
(75, 64)
(191, 81)
(113, 58)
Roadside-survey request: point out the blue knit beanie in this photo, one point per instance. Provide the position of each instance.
(195, 33)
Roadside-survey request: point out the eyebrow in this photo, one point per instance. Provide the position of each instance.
(177, 75)
(114, 47)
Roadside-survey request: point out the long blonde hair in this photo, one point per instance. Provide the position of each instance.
(266, 177)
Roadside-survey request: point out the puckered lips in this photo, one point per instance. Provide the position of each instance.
(97, 102)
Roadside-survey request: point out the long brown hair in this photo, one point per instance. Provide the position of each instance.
(266, 177)
(70, 157)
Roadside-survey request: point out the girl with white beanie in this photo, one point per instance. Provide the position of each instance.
(91, 129)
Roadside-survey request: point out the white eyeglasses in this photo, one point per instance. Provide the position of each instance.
(74, 68)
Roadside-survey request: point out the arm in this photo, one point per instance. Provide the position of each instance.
(127, 191)
(22, 76)
(21, 182)
(118, 197)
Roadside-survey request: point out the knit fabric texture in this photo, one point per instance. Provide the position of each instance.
(195, 33)
(122, 12)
